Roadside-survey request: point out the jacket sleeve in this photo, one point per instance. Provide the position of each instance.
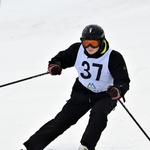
(66, 58)
(119, 72)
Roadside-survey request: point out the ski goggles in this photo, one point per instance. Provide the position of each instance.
(92, 43)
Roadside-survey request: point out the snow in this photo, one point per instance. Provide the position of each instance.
(31, 32)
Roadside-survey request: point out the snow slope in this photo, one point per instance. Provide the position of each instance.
(31, 32)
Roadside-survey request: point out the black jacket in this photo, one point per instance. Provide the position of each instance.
(117, 66)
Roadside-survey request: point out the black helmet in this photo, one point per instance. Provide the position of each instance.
(94, 32)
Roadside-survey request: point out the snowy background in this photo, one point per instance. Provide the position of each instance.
(33, 31)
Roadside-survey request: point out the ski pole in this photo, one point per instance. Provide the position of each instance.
(14, 82)
(134, 119)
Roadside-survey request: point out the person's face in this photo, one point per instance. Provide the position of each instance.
(91, 50)
(91, 46)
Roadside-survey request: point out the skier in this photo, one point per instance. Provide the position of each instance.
(102, 80)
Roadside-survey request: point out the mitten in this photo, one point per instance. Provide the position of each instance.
(114, 92)
(54, 69)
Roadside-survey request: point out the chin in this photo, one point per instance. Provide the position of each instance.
(91, 53)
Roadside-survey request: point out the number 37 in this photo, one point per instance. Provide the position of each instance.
(87, 75)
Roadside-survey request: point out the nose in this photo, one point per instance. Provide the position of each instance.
(90, 47)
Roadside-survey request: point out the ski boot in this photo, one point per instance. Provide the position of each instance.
(82, 147)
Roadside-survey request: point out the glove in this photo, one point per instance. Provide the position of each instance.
(54, 69)
(114, 92)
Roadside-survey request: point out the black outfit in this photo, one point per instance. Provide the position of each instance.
(81, 101)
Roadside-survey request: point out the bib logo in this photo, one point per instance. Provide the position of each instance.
(91, 86)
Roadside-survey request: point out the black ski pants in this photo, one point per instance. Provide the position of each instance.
(79, 104)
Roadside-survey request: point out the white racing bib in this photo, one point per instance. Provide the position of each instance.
(93, 73)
